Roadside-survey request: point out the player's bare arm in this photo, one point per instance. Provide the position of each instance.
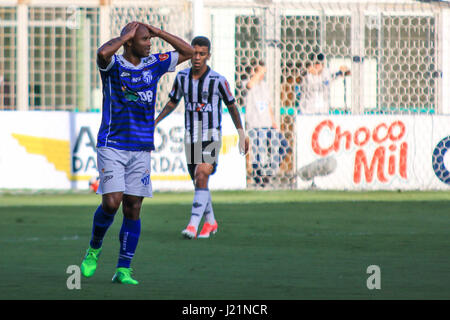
(184, 49)
(243, 139)
(106, 51)
(168, 108)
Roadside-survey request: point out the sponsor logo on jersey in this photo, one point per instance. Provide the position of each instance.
(130, 95)
(163, 56)
(199, 107)
(125, 74)
(150, 59)
(146, 96)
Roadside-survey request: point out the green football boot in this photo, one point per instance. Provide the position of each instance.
(123, 275)
(89, 264)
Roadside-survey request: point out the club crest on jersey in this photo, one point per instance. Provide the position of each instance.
(147, 77)
(205, 95)
(163, 56)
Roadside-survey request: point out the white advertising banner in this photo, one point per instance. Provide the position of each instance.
(34, 150)
(56, 150)
(47, 150)
(379, 152)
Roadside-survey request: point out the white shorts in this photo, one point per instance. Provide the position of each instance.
(124, 171)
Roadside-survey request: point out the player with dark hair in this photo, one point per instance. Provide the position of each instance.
(202, 42)
(203, 91)
(125, 139)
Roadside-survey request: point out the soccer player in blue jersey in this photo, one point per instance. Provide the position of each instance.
(125, 138)
(203, 90)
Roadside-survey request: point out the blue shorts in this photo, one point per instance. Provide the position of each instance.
(124, 171)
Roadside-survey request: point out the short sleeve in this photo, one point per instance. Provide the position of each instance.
(167, 61)
(177, 92)
(174, 56)
(225, 92)
(109, 66)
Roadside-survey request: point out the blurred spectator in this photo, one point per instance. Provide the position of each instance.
(267, 145)
(315, 88)
(258, 111)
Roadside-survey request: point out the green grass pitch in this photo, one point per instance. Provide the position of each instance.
(277, 245)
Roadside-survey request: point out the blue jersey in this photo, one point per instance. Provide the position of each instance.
(129, 96)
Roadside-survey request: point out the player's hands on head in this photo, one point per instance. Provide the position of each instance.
(129, 30)
(154, 31)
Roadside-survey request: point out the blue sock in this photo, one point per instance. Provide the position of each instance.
(128, 237)
(102, 221)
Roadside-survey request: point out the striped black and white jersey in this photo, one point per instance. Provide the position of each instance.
(203, 103)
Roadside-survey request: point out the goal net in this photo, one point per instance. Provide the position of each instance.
(375, 57)
(356, 92)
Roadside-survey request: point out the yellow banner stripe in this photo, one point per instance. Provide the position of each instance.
(56, 151)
